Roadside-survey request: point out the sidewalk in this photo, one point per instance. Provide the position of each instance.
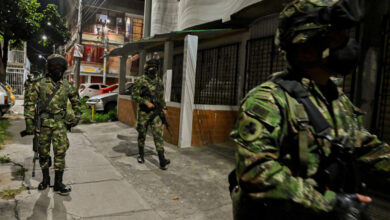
(108, 183)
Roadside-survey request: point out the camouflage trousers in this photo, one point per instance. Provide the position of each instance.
(57, 136)
(143, 122)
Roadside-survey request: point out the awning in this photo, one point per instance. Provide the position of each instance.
(157, 42)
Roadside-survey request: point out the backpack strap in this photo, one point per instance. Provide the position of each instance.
(306, 113)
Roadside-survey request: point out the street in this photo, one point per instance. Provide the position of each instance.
(108, 183)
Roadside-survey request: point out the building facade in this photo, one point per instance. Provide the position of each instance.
(106, 25)
(214, 53)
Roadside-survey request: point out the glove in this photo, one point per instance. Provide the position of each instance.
(348, 207)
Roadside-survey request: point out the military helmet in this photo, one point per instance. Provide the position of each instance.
(303, 20)
(56, 59)
(152, 63)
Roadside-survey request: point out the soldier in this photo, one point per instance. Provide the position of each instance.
(33, 76)
(301, 142)
(54, 119)
(148, 92)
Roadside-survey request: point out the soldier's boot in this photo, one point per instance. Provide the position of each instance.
(45, 180)
(141, 155)
(59, 187)
(163, 161)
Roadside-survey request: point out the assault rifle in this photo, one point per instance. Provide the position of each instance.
(37, 125)
(158, 109)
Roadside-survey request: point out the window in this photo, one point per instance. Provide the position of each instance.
(216, 76)
(94, 87)
(93, 54)
(133, 29)
(177, 75)
(262, 60)
(103, 86)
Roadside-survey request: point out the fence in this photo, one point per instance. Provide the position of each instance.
(15, 78)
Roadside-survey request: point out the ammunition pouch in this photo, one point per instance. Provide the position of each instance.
(56, 117)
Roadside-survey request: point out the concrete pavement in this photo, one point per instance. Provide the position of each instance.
(108, 183)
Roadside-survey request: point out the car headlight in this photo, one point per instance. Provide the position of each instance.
(94, 100)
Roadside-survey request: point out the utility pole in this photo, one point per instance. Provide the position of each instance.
(80, 35)
(105, 42)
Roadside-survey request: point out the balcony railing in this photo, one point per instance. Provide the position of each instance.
(16, 56)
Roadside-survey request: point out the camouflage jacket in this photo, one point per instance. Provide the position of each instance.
(41, 90)
(268, 136)
(146, 90)
(27, 87)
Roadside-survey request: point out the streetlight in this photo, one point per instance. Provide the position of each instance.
(42, 57)
(48, 23)
(44, 37)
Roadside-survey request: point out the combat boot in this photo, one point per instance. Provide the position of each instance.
(45, 180)
(59, 187)
(141, 155)
(163, 161)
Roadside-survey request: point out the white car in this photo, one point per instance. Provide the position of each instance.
(5, 100)
(90, 89)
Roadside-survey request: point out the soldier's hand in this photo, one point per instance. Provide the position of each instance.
(351, 206)
(150, 105)
(166, 113)
(364, 199)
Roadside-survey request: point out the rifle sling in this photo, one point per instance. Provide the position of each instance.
(46, 104)
(297, 91)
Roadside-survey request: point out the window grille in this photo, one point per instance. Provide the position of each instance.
(262, 60)
(177, 75)
(217, 76)
(382, 125)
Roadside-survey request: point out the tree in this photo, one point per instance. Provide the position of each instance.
(26, 20)
(19, 21)
(52, 26)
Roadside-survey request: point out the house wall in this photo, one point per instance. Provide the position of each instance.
(127, 110)
(211, 124)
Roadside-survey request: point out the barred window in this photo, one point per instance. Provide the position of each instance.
(217, 76)
(382, 110)
(262, 60)
(177, 76)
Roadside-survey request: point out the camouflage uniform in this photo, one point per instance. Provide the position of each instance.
(53, 119)
(144, 114)
(30, 80)
(149, 88)
(278, 159)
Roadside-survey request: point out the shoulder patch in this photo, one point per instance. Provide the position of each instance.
(250, 129)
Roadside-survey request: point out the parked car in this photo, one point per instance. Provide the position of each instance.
(108, 89)
(90, 89)
(107, 102)
(5, 99)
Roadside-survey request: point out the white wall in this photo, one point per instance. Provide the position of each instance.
(170, 15)
(164, 16)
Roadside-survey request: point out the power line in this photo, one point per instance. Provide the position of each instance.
(97, 8)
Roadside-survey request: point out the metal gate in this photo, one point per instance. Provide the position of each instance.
(15, 78)
(382, 124)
